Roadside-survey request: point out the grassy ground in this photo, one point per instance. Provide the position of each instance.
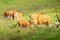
(9, 30)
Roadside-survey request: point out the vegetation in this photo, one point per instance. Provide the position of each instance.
(9, 30)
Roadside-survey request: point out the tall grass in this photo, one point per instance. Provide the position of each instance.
(9, 29)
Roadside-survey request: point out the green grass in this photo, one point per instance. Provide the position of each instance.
(9, 30)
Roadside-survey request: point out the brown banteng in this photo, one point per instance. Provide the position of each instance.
(44, 19)
(24, 23)
(34, 17)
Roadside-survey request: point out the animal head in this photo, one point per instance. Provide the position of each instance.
(6, 14)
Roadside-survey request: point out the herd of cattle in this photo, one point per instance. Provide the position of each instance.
(37, 18)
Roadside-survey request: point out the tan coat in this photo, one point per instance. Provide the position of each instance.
(24, 23)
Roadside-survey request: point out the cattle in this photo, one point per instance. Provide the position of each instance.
(34, 17)
(11, 13)
(40, 19)
(24, 23)
(58, 17)
(18, 15)
(44, 19)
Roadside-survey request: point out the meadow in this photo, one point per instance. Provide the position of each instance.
(9, 29)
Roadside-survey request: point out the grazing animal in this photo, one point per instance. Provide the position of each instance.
(44, 19)
(58, 17)
(40, 18)
(24, 23)
(34, 17)
(11, 13)
(17, 15)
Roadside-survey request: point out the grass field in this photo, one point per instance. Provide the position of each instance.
(9, 30)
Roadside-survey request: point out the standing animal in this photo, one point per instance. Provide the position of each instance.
(24, 23)
(11, 13)
(40, 18)
(34, 17)
(44, 19)
(18, 15)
